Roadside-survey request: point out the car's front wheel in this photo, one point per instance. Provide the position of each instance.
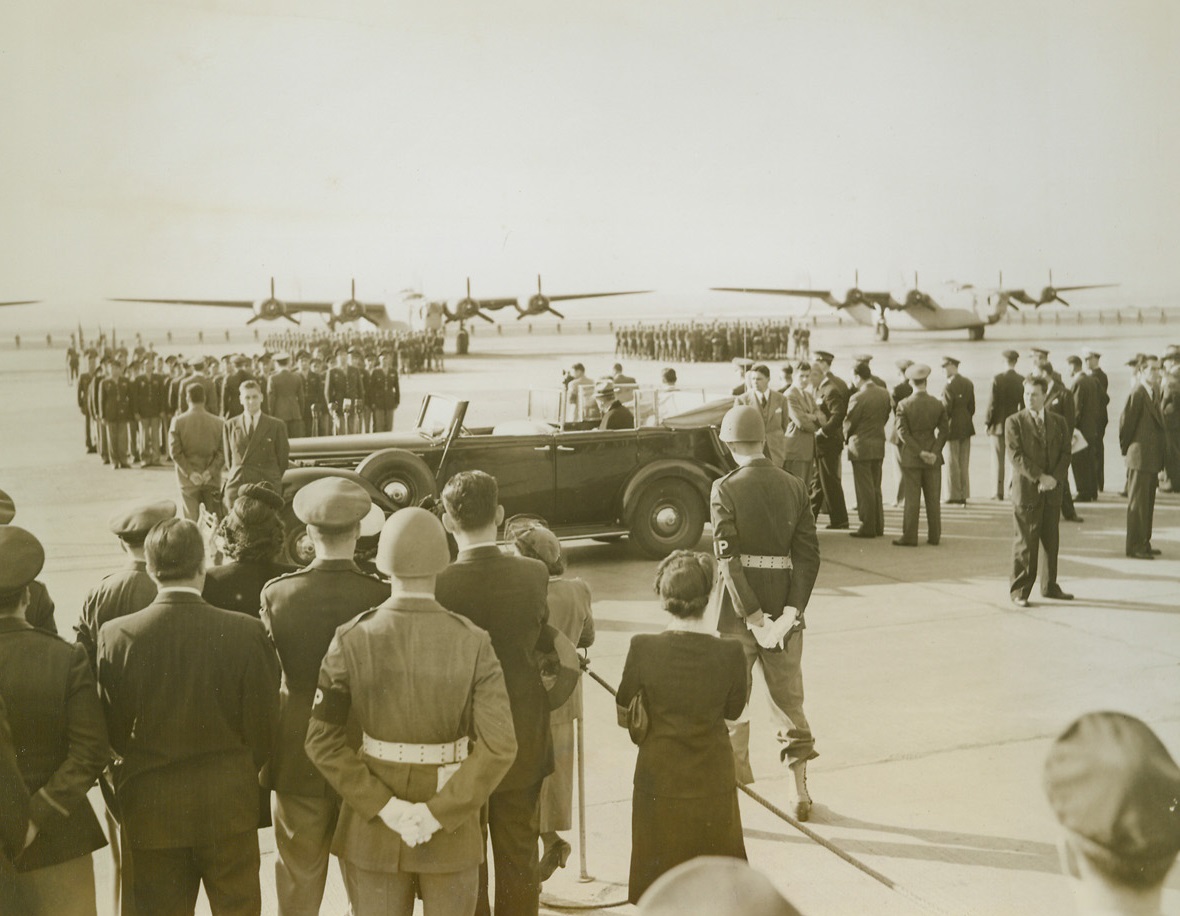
(669, 515)
(298, 549)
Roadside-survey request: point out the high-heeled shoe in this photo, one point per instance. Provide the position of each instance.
(554, 858)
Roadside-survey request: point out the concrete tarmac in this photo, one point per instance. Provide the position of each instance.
(933, 699)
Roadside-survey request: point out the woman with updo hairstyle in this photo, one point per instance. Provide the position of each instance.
(251, 534)
(685, 802)
(569, 612)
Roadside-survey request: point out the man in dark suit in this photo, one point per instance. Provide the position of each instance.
(14, 805)
(191, 697)
(922, 431)
(958, 397)
(196, 443)
(47, 689)
(1007, 398)
(772, 407)
(1087, 399)
(1141, 440)
(614, 414)
(1170, 407)
(1094, 370)
(285, 396)
(385, 393)
(618, 377)
(301, 612)
(1038, 443)
(507, 596)
(768, 555)
(255, 445)
(826, 489)
(864, 427)
(1059, 400)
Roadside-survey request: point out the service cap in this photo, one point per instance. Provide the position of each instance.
(742, 362)
(1135, 361)
(282, 357)
(303, 354)
(862, 358)
(825, 356)
(917, 372)
(605, 388)
(7, 508)
(355, 351)
(1039, 351)
(413, 544)
(21, 559)
(1087, 352)
(1110, 780)
(742, 423)
(717, 885)
(331, 502)
(1010, 355)
(135, 520)
(903, 364)
(950, 361)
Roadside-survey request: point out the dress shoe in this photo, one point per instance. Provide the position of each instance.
(932, 543)
(861, 534)
(833, 527)
(1141, 555)
(1020, 602)
(1058, 595)
(902, 543)
(553, 858)
(1151, 550)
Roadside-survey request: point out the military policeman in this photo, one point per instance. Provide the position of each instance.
(301, 612)
(421, 683)
(53, 710)
(40, 608)
(921, 432)
(768, 554)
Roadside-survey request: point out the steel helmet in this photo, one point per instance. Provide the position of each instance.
(742, 424)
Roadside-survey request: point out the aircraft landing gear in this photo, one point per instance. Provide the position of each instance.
(882, 331)
(975, 333)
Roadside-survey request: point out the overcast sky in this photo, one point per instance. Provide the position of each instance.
(196, 148)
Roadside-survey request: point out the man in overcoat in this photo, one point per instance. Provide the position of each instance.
(1142, 442)
(922, 432)
(869, 410)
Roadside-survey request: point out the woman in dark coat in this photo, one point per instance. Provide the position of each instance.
(252, 534)
(685, 799)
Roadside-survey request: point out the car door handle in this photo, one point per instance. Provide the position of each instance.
(566, 448)
(541, 448)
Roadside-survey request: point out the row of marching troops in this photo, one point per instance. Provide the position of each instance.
(717, 342)
(128, 400)
(414, 351)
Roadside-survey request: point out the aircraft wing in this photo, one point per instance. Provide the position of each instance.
(568, 296)
(22, 302)
(233, 303)
(825, 294)
(1066, 289)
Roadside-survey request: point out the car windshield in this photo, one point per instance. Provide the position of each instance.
(436, 417)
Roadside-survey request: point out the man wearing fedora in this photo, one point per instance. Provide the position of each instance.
(420, 682)
(614, 414)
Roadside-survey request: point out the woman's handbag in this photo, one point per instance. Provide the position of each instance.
(634, 717)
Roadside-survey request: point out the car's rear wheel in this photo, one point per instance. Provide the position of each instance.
(403, 478)
(669, 515)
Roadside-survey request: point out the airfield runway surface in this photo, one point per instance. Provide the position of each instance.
(932, 698)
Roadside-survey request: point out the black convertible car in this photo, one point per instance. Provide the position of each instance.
(650, 483)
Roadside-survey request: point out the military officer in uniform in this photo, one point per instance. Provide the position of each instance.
(385, 392)
(114, 407)
(285, 396)
(768, 555)
(1007, 398)
(84, 381)
(47, 688)
(1143, 444)
(898, 393)
(1093, 369)
(826, 489)
(40, 607)
(301, 611)
(421, 683)
(869, 410)
(922, 431)
(958, 397)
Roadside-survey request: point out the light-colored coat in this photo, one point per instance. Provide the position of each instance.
(803, 421)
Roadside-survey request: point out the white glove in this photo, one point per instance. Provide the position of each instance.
(424, 824)
(769, 635)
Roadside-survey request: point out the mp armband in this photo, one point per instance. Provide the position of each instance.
(726, 548)
(331, 706)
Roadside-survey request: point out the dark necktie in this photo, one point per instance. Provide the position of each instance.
(1039, 423)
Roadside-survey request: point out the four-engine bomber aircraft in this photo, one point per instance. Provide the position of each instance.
(345, 311)
(538, 304)
(963, 306)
